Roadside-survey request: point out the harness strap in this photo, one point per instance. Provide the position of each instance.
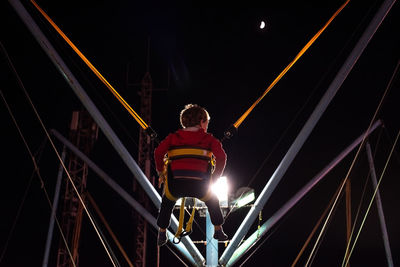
(180, 153)
(188, 152)
(181, 218)
(191, 152)
(165, 175)
(189, 224)
(188, 230)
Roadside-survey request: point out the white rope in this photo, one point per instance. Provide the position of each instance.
(354, 160)
(59, 158)
(346, 259)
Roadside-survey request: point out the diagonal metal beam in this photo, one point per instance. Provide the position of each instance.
(257, 235)
(53, 211)
(378, 198)
(306, 130)
(100, 120)
(117, 188)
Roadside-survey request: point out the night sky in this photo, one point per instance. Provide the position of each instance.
(218, 58)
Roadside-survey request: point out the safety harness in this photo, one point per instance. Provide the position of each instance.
(181, 153)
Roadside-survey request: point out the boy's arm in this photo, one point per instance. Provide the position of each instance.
(220, 158)
(159, 154)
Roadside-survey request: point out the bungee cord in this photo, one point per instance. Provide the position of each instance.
(60, 159)
(241, 119)
(284, 133)
(132, 112)
(230, 132)
(141, 122)
(136, 116)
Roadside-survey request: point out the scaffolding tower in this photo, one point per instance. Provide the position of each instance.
(146, 146)
(83, 134)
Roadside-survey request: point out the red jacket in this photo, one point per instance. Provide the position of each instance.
(199, 139)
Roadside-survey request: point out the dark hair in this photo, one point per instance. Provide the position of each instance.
(192, 115)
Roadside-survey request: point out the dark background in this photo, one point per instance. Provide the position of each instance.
(218, 58)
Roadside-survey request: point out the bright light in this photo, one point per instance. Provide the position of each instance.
(220, 189)
(245, 199)
(262, 25)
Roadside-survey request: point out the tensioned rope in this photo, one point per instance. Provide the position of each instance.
(257, 248)
(348, 254)
(141, 122)
(134, 114)
(115, 259)
(277, 143)
(36, 169)
(147, 128)
(59, 158)
(110, 231)
(358, 212)
(388, 87)
(397, 156)
(10, 234)
(275, 81)
(355, 158)
(313, 231)
(229, 133)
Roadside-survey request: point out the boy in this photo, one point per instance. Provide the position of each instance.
(192, 154)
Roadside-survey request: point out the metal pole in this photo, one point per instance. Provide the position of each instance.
(100, 120)
(212, 244)
(53, 211)
(306, 130)
(257, 235)
(125, 195)
(382, 221)
(106, 178)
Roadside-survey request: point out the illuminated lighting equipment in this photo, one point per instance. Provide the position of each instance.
(220, 189)
(243, 196)
(246, 199)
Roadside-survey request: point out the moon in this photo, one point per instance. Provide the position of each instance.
(262, 25)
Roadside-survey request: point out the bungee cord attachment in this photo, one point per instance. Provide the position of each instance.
(148, 130)
(234, 127)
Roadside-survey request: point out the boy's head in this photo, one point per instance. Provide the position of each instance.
(193, 115)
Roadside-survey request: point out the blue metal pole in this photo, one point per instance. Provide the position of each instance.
(382, 221)
(100, 120)
(306, 130)
(53, 211)
(257, 235)
(212, 244)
